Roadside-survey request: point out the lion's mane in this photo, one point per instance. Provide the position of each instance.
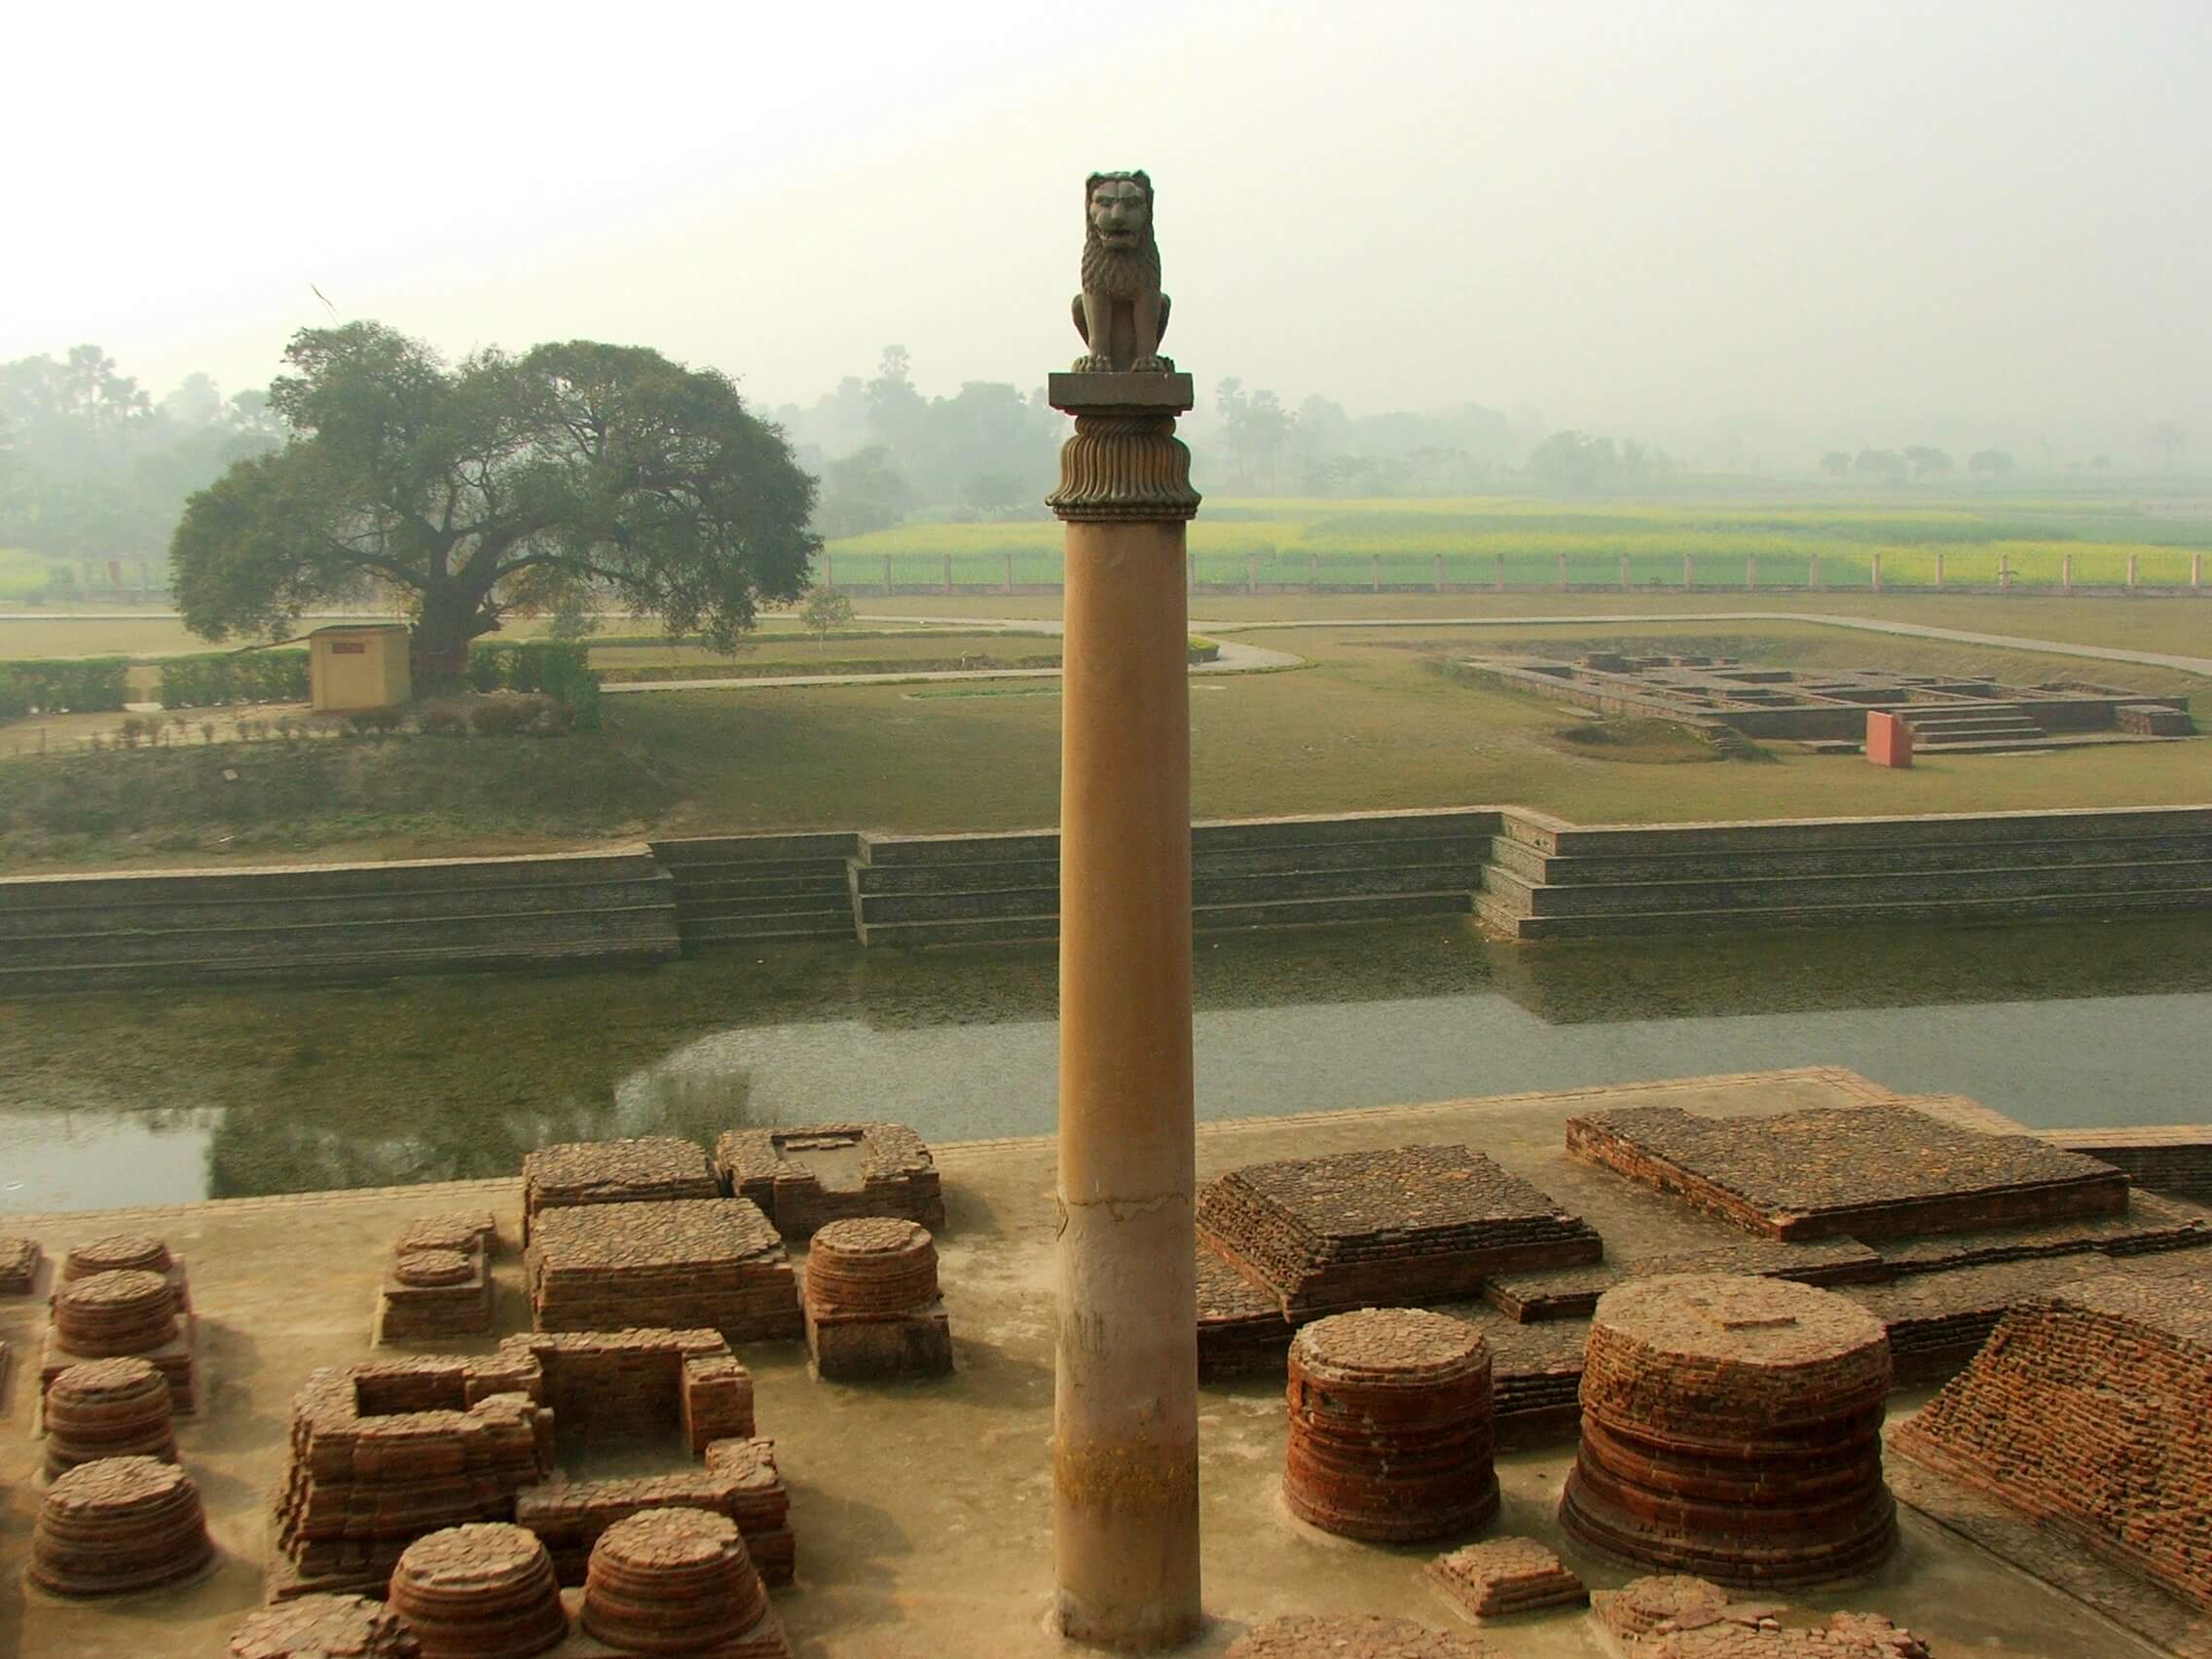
(1119, 273)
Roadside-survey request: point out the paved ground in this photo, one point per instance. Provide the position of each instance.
(921, 1511)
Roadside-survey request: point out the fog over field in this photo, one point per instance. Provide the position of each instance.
(1805, 225)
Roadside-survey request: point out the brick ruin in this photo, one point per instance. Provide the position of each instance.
(1354, 1636)
(651, 1168)
(1731, 1427)
(21, 1264)
(118, 1525)
(1679, 1616)
(2084, 1413)
(1865, 1171)
(1391, 1227)
(804, 1176)
(675, 1263)
(1503, 1576)
(1826, 708)
(131, 1312)
(324, 1627)
(387, 1451)
(1390, 1431)
(872, 1309)
(438, 1283)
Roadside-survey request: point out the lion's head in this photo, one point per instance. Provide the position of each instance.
(1119, 209)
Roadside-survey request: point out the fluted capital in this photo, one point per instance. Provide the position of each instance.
(1124, 462)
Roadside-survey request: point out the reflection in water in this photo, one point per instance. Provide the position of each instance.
(116, 1098)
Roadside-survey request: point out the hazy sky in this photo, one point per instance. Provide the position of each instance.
(1635, 217)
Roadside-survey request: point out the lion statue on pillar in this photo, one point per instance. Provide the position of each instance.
(1121, 313)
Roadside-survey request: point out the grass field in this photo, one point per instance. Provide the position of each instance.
(23, 574)
(1398, 541)
(1373, 724)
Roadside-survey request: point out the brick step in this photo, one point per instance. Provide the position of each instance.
(249, 942)
(834, 903)
(460, 879)
(1205, 891)
(1997, 829)
(1206, 860)
(1964, 912)
(713, 931)
(18, 978)
(311, 909)
(799, 845)
(1569, 870)
(1208, 918)
(1528, 899)
(828, 879)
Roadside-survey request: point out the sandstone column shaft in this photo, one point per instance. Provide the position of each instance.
(1126, 1456)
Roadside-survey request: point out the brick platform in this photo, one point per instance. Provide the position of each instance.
(872, 1310)
(637, 1383)
(324, 1627)
(807, 1175)
(1241, 1328)
(132, 1313)
(650, 1168)
(681, 1264)
(1395, 1227)
(1866, 1173)
(1353, 1635)
(2068, 1413)
(1731, 1427)
(740, 1481)
(20, 1262)
(1572, 1293)
(1391, 1438)
(1682, 1617)
(433, 1294)
(1504, 1576)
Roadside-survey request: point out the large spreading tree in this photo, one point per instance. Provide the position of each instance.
(499, 483)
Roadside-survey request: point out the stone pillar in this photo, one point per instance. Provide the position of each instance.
(1125, 1441)
(1752, 572)
(1312, 573)
(2005, 571)
(1375, 573)
(1562, 573)
(1008, 586)
(887, 575)
(829, 569)
(1499, 582)
(2196, 571)
(1689, 570)
(1939, 567)
(1251, 573)
(1626, 584)
(1813, 576)
(1440, 572)
(1877, 572)
(2131, 572)
(2066, 572)
(948, 572)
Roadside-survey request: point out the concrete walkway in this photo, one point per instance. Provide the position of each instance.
(1235, 659)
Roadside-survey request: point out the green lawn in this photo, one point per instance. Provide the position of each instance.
(1373, 724)
(23, 574)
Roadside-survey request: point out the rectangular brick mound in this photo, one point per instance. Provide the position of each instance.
(2173, 1159)
(1866, 1171)
(806, 1175)
(2147, 1224)
(1500, 1576)
(1572, 1293)
(681, 1264)
(1389, 1228)
(650, 1168)
(1241, 1328)
(2085, 1412)
(176, 1360)
(20, 1262)
(413, 1313)
(743, 1484)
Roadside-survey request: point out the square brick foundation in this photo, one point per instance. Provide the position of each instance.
(868, 1347)
(678, 1263)
(808, 1175)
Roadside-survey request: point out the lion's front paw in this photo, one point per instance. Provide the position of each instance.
(1151, 366)
(1093, 363)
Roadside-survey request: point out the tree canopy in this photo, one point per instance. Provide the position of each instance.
(500, 483)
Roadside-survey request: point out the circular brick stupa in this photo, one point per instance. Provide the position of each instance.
(1391, 1426)
(108, 1407)
(117, 1252)
(324, 1627)
(871, 1265)
(483, 1591)
(119, 1524)
(123, 1311)
(1731, 1427)
(673, 1581)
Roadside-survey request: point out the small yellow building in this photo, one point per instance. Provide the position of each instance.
(355, 666)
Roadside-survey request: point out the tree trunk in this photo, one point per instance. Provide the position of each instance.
(440, 643)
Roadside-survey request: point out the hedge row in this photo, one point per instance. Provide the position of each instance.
(245, 677)
(54, 685)
(559, 668)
